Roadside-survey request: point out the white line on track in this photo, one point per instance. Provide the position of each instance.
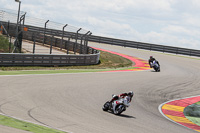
(160, 110)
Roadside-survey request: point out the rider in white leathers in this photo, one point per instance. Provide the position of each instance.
(123, 95)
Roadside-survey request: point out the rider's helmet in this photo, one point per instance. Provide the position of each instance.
(130, 93)
(151, 57)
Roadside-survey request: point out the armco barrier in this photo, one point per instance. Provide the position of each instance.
(7, 59)
(146, 46)
(86, 56)
(119, 42)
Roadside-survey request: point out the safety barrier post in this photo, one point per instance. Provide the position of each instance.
(81, 49)
(45, 26)
(86, 43)
(34, 36)
(51, 44)
(61, 43)
(76, 40)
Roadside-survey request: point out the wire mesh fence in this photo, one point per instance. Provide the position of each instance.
(46, 43)
(11, 16)
(47, 32)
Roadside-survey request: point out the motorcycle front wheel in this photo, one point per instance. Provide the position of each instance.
(119, 109)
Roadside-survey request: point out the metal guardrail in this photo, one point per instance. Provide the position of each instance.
(146, 46)
(10, 59)
(87, 56)
(124, 43)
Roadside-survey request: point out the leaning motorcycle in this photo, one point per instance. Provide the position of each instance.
(117, 106)
(155, 66)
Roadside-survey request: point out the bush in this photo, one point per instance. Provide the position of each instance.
(4, 44)
(192, 110)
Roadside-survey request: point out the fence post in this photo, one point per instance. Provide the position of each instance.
(163, 49)
(124, 43)
(34, 36)
(10, 45)
(86, 44)
(68, 42)
(45, 26)
(8, 27)
(76, 40)
(51, 44)
(20, 35)
(22, 18)
(61, 43)
(81, 48)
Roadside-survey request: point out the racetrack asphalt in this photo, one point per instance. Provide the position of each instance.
(73, 102)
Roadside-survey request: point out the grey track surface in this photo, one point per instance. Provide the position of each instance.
(73, 102)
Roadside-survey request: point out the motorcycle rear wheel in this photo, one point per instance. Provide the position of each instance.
(106, 106)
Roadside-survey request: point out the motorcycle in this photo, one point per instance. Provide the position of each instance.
(117, 106)
(155, 66)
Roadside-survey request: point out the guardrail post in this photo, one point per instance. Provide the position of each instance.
(124, 43)
(20, 35)
(10, 45)
(51, 44)
(34, 36)
(163, 49)
(45, 26)
(67, 43)
(81, 49)
(76, 40)
(86, 44)
(61, 43)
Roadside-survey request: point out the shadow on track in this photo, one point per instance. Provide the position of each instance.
(126, 116)
(123, 115)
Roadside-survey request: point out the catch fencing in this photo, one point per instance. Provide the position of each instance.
(74, 41)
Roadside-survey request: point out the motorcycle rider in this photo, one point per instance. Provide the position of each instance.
(115, 97)
(151, 61)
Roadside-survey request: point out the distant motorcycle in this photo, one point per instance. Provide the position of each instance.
(155, 66)
(117, 106)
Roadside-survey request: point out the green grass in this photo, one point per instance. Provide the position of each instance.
(58, 71)
(10, 122)
(4, 44)
(198, 102)
(195, 120)
(192, 112)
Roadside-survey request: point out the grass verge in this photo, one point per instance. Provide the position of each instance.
(108, 62)
(195, 120)
(58, 71)
(192, 113)
(10, 122)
